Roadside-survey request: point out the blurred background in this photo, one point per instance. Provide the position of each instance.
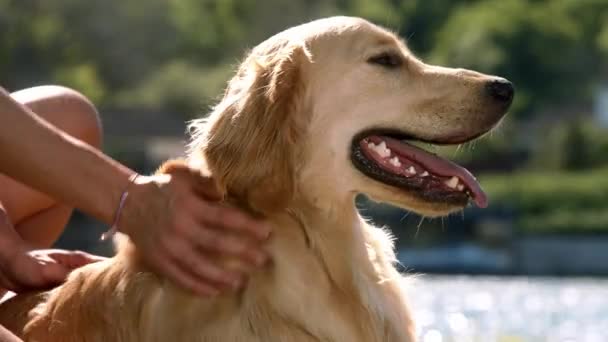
(531, 267)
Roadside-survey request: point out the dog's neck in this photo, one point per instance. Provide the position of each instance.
(357, 260)
(328, 227)
(320, 230)
(333, 245)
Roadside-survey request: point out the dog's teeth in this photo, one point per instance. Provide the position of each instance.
(411, 170)
(395, 162)
(380, 149)
(452, 182)
(384, 151)
(460, 187)
(424, 174)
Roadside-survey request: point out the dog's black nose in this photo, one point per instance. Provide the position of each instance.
(500, 90)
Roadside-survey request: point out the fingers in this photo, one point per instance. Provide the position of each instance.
(77, 259)
(189, 237)
(69, 259)
(208, 209)
(198, 256)
(230, 244)
(227, 218)
(32, 271)
(207, 187)
(87, 258)
(204, 186)
(54, 274)
(44, 266)
(216, 241)
(200, 267)
(42, 269)
(185, 279)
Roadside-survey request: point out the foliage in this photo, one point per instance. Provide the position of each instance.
(179, 86)
(576, 144)
(108, 48)
(544, 47)
(549, 202)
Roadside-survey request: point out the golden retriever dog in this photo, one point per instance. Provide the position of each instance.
(314, 116)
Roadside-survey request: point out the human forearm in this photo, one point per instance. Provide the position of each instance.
(36, 153)
(176, 220)
(6, 336)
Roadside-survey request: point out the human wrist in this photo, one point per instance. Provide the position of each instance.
(96, 180)
(121, 203)
(103, 201)
(142, 191)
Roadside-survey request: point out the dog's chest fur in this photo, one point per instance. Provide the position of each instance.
(317, 289)
(336, 282)
(325, 284)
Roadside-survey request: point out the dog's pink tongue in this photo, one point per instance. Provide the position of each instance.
(438, 166)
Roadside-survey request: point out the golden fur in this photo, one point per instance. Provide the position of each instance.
(278, 143)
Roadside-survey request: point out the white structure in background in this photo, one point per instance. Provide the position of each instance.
(601, 104)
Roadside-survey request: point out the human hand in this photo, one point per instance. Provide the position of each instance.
(41, 269)
(182, 231)
(23, 269)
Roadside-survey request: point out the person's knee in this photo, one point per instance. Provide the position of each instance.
(80, 111)
(67, 109)
(85, 116)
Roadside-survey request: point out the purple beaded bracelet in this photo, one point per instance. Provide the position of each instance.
(121, 204)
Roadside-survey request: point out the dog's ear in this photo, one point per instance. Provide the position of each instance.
(250, 143)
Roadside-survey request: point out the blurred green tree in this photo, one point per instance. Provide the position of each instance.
(548, 48)
(554, 51)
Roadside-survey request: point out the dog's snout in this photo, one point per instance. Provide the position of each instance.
(500, 90)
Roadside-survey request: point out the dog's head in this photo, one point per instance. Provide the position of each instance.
(324, 110)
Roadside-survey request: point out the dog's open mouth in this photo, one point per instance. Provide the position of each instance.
(391, 160)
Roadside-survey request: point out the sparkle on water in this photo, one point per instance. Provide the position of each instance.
(510, 309)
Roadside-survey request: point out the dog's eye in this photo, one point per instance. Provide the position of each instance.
(387, 59)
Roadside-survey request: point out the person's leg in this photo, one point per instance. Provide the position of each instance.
(38, 218)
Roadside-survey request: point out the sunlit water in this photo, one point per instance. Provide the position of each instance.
(512, 309)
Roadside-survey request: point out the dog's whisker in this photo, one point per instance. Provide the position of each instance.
(418, 228)
(407, 213)
(457, 150)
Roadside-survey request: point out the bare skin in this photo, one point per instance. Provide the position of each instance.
(27, 208)
(37, 218)
(49, 140)
(7, 336)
